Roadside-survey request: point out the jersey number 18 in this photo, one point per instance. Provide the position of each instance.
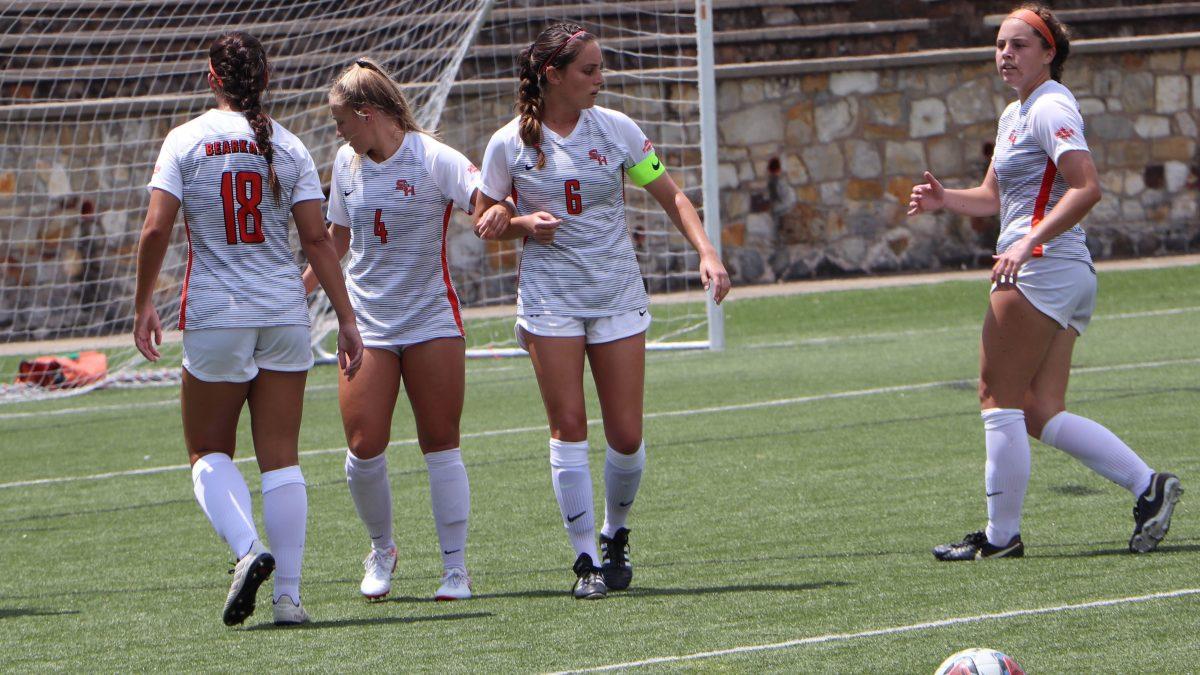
(246, 188)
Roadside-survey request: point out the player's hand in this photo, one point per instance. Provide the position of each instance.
(1008, 264)
(714, 277)
(493, 222)
(927, 197)
(542, 227)
(350, 348)
(147, 332)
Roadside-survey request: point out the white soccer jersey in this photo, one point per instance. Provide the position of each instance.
(590, 270)
(241, 272)
(1030, 139)
(398, 212)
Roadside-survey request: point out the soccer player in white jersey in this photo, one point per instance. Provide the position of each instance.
(237, 175)
(391, 196)
(565, 161)
(1042, 182)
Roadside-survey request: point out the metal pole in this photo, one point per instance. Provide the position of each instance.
(707, 84)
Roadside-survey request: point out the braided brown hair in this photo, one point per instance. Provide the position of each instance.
(239, 63)
(553, 47)
(1062, 38)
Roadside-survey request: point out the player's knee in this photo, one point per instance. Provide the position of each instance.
(1038, 413)
(572, 429)
(365, 446)
(625, 442)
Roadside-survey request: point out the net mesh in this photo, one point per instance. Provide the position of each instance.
(91, 88)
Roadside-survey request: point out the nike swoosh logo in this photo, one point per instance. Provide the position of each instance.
(624, 504)
(577, 516)
(347, 194)
(1153, 493)
(656, 166)
(980, 556)
(449, 552)
(642, 313)
(993, 494)
(528, 167)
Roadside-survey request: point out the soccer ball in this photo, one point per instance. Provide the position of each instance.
(979, 662)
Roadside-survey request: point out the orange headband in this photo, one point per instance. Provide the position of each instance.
(1031, 17)
(216, 77)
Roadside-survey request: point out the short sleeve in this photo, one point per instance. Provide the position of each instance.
(308, 185)
(336, 212)
(167, 175)
(455, 175)
(495, 180)
(1057, 126)
(641, 161)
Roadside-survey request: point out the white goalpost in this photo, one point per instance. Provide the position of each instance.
(92, 87)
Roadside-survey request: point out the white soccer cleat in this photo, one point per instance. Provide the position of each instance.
(248, 574)
(288, 613)
(456, 585)
(379, 566)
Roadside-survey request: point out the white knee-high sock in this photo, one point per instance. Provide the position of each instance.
(450, 496)
(1006, 474)
(572, 479)
(223, 496)
(285, 515)
(1099, 449)
(622, 475)
(372, 494)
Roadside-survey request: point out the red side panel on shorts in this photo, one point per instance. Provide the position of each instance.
(450, 294)
(1039, 206)
(187, 275)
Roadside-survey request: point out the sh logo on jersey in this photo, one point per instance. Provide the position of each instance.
(405, 188)
(601, 160)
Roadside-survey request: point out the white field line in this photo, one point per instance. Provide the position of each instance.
(927, 625)
(796, 400)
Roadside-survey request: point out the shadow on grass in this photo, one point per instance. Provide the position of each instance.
(1165, 549)
(379, 621)
(647, 591)
(20, 612)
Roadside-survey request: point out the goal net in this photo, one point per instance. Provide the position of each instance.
(92, 87)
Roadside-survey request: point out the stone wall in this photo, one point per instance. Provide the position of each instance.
(850, 145)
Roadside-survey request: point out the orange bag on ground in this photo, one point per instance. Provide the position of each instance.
(64, 371)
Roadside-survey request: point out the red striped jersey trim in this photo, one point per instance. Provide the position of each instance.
(1039, 206)
(450, 294)
(187, 276)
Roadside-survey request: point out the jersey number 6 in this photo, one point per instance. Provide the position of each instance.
(246, 188)
(574, 201)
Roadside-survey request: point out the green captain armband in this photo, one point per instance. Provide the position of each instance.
(644, 172)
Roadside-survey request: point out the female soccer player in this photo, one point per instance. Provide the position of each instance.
(392, 193)
(580, 292)
(243, 314)
(1042, 183)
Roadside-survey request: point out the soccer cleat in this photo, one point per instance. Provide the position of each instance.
(616, 567)
(975, 546)
(288, 613)
(589, 582)
(456, 585)
(1152, 512)
(248, 575)
(379, 566)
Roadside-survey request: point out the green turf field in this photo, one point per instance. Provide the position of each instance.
(795, 485)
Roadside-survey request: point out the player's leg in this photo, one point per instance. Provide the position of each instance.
(558, 364)
(434, 374)
(1016, 337)
(619, 370)
(1098, 448)
(367, 402)
(211, 408)
(276, 401)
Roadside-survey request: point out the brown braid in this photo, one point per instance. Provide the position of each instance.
(546, 51)
(240, 62)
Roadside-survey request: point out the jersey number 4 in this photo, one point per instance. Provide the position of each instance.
(244, 187)
(380, 227)
(574, 201)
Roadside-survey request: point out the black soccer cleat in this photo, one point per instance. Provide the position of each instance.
(249, 573)
(975, 546)
(589, 583)
(1152, 512)
(614, 553)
